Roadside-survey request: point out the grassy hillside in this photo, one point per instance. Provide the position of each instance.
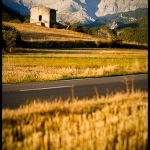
(33, 36)
(31, 32)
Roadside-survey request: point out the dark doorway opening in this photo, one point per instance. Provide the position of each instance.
(40, 17)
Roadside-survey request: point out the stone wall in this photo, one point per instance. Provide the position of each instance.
(43, 16)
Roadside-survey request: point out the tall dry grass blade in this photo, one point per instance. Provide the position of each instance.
(72, 93)
(96, 92)
(127, 84)
(132, 85)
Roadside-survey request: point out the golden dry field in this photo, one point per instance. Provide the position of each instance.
(31, 32)
(115, 122)
(65, 64)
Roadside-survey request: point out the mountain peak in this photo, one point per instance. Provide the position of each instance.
(83, 11)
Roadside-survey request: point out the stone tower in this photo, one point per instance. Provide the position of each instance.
(43, 16)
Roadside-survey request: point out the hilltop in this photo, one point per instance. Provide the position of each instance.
(31, 32)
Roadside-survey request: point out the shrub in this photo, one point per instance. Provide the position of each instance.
(137, 35)
(77, 28)
(97, 43)
(15, 21)
(10, 38)
(27, 21)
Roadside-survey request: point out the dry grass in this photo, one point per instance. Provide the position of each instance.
(115, 122)
(31, 32)
(36, 74)
(45, 67)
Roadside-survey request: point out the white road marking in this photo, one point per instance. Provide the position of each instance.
(57, 87)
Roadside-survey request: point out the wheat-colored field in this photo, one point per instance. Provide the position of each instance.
(34, 67)
(117, 121)
(31, 32)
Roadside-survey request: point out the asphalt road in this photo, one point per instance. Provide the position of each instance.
(14, 95)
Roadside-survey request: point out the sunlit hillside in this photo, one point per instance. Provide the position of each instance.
(31, 32)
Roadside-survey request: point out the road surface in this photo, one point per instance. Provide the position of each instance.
(14, 95)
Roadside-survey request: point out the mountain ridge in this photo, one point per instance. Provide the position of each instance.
(121, 18)
(81, 11)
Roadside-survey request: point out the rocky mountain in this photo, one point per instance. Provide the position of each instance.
(119, 19)
(81, 11)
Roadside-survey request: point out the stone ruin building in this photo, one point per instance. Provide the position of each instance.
(43, 16)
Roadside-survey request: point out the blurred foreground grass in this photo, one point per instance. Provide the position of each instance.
(116, 121)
